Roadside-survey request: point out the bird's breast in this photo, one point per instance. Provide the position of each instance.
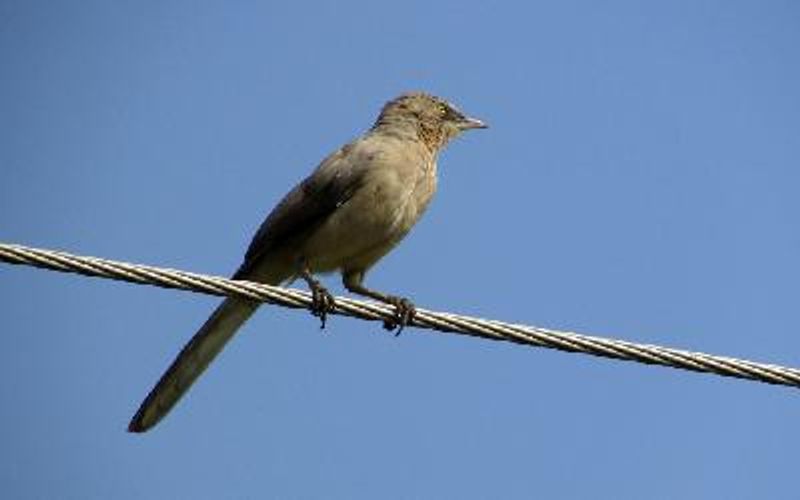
(400, 196)
(391, 198)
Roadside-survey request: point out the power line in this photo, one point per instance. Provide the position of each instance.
(432, 320)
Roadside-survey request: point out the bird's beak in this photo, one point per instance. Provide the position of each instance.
(468, 123)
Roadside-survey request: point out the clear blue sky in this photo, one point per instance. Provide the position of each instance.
(639, 180)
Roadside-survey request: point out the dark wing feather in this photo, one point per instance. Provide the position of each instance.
(304, 208)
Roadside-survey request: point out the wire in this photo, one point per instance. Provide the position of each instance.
(432, 320)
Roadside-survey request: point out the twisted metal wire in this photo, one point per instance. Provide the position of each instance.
(441, 321)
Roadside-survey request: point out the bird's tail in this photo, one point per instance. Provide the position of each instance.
(192, 361)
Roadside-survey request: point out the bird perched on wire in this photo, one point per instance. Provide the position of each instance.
(353, 209)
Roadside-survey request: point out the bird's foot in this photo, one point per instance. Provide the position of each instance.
(403, 314)
(322, 302)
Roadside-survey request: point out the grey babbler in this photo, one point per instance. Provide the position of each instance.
(353, 209)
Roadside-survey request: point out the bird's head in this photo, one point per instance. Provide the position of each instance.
(435, 120)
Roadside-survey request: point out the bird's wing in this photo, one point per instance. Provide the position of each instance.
(296, 216)
(306, 206)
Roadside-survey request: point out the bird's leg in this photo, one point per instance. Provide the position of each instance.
(404, 308)
(321, 299)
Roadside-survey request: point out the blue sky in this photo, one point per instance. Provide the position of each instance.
(639, 180)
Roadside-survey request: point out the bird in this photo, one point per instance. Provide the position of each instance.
(346, 215)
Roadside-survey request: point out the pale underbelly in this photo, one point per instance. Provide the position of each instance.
(360, 232)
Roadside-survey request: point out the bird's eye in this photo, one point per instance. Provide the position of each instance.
(442, 109)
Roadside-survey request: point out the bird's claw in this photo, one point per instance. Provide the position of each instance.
(322, 303)
(403, 314)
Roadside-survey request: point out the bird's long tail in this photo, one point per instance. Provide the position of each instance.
(192, 361)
